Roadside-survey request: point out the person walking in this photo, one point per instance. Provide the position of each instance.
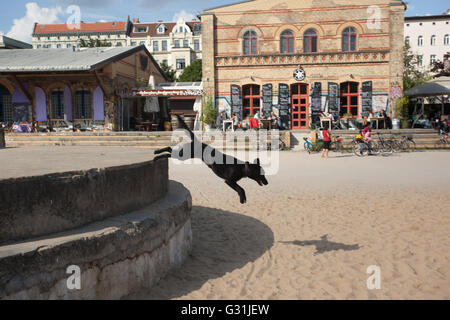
(326, 142)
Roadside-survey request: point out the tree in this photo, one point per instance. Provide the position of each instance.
(192, 73)
(442, 68)
(412, 73)
(93, 43)
(170, 74)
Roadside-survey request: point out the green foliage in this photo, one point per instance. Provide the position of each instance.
(412, 74)
(94, 43)
(402, 108)
(170, 73)
(318, 146)
(209, 111)
(192, 73)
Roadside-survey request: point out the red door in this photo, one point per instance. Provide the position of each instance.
(349, 99)
(300, 106)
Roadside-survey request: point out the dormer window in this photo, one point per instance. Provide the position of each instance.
(161, 29)
(138, 29)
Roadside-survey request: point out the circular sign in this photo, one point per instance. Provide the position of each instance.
(299, 74)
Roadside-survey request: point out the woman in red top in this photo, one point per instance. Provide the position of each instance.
(326, 142)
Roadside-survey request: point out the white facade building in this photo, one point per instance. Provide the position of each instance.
(428, 37)
(63, 36)
(176, 44)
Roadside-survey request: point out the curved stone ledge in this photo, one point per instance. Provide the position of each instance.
(117, 256)
(37, 206)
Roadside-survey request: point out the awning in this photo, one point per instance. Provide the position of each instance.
(437, 87)
(183, 98)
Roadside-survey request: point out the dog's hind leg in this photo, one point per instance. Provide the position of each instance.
(168, 149)
(238, 189)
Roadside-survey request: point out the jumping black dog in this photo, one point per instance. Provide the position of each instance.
(226, 167)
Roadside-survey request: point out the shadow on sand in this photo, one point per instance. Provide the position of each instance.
(222, 242)
(324, 245)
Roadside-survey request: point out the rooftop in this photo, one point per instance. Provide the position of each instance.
(45, 60)
(42, 29)
(10, 43)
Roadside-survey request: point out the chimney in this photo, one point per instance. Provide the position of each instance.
(135, 20)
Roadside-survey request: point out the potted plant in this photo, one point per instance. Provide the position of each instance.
(402, 112)
(348, 116)
(168, 126)
(209, 113)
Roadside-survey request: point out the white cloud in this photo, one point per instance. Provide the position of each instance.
(183, 14)
(23, 27)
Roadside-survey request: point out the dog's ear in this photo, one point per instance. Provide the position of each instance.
(257, 162)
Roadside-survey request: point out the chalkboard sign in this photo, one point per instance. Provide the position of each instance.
(267, 99)
(284, 99)
(366, 98)
(316, 99)
(236, 101)
(21, 112)
(333, 99)
(284, 102)
(316, 103)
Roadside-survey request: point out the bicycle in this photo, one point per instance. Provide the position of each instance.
(337, 145)
(383, 145)
(442, 142)
(360, 148)
(407, 144)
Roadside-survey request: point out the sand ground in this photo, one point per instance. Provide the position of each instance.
(316, 228)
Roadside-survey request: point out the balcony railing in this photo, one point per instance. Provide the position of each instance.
(305, 59)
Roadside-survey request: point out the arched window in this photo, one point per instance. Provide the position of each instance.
(57, 104)
(83, 104)
(310, 41)
(420, 41)
(446, 40)
(287, 40)
(349, 39)
(251, 99)
(6, 114)
(250, 42)
(433, 40)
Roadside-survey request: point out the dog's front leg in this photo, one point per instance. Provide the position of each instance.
(168, 149)
(238, 189)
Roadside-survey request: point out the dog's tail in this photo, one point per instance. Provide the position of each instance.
(185, 127)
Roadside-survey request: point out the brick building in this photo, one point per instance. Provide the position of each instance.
(303, 57)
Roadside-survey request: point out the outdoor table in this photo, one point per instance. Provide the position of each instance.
(226, 122)
(377, 121)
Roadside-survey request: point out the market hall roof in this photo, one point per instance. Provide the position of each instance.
(63, 60)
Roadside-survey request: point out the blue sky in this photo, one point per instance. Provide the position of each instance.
(18, 16)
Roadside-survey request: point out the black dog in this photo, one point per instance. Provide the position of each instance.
(228, 168)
